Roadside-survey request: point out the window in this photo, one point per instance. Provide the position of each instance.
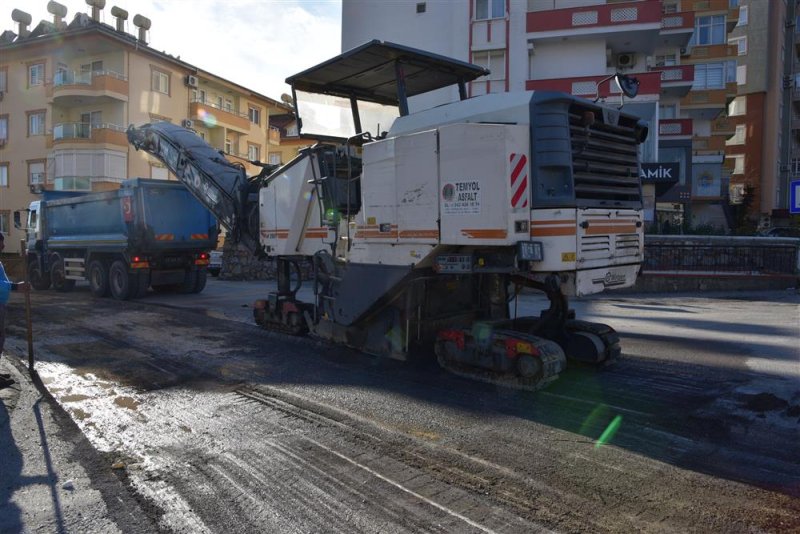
(733, 3)
(738, 137)
(667, 60)
(3, 174)
(5, 216)
(489, 9)
(741, 44)
(36, 123)
(36, 174)
(738, 163)
(796, 166)
(275, 158)
(3, 79)
(738, 106)
(253, 152)
(742, 16)
(94, 66)
(228, 105)
(254, 114)
(35, 74)
(668, 9)
(709, 30)
(228, 146)
(421, 7)
(93, 119)
(741, 74)
(668, 111)
(730, 71)
(160, 81)
(709, 76)
(3, 129)
(494, 60)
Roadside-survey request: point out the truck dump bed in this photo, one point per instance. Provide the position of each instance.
(148, 215)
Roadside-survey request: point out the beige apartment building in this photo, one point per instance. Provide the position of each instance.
(69, 90)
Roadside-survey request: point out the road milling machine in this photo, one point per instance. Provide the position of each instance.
(423, 227)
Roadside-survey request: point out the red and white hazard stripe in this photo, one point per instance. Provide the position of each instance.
(519, 180)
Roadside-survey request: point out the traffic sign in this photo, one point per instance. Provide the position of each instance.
(794, 196)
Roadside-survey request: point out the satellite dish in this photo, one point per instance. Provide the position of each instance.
(286, 99)
(628, 85)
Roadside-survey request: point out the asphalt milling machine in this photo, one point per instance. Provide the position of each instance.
(423, 227)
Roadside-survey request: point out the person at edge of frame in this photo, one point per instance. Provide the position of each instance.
(6, 286)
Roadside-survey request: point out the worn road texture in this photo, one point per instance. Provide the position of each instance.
(223, 427)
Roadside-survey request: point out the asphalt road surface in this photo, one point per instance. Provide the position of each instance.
(224, 427)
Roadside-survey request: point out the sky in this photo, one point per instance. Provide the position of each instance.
(254, 43)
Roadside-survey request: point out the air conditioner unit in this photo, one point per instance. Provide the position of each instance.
(191, 80)
(626, 60)
(36, 188)
(684, 51)
(187, 123)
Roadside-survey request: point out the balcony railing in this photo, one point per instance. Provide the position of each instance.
(681, 73)
(578, 18)
(674, 127)
(587, 86)
(226, 109)
(83, 78)
(81, 130)
(678, 21)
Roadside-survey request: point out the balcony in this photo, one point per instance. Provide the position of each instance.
(85, 133)
(676, 29)
(587, 86)
(274, 135)
(676, 82)
(795, 122)
(214, 116)
(72, 89)
(702, 53)
(714, 144)
(707, 104)
(724, 127)
(716, 7)
(674, 128)
(625, 27)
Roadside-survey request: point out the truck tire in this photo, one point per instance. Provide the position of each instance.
(58, 277)
(120, 282)
(39, 280)
(202, 276)
(98, 278)
(189, 282)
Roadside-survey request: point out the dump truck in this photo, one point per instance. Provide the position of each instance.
(423, 228)
(146, 233)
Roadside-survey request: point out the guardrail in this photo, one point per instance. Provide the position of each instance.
(83, 78)
(722, 255)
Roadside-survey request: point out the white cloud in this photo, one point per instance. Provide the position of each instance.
(255, 43)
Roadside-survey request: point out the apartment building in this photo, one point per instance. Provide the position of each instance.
(754, 151)
(69, 90)
(678, 49)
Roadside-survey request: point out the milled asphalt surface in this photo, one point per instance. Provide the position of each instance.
(222, 427)
(51, 478)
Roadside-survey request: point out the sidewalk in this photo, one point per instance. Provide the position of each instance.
(51, 479)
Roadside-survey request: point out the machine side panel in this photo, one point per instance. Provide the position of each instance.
(475, 190)
(377, 222)
(417, 188)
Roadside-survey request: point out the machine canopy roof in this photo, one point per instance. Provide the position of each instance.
(369, 72)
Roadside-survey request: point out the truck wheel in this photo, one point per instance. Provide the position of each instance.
(58, 277)
(98, 278)
(39, 281)
(120, 282)
(189, 282)
(202, 276)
